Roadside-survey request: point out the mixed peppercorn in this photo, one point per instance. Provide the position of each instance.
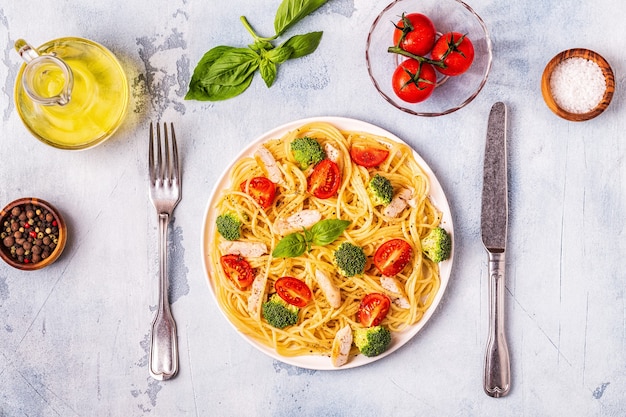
(30, 233)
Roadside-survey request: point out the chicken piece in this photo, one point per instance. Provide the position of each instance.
(257, 295)
(295, 222)
(341, 346)
(332, 153)
(266, 160)
(408, 195)
(245, 249)
(399, 203)
(330, 290)
(396, 291)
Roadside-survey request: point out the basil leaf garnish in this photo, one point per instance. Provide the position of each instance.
(290, 246)
(326, 231)
(322, 233)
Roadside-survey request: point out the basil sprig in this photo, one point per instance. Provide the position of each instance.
(322, 233)
(226, 71)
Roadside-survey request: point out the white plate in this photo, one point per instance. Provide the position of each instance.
(437, 196)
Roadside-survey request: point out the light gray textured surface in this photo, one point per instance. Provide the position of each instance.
(74, 337)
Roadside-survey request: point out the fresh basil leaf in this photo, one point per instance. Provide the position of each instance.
(280, 54)
(290, 246)
(232, 68)
(303, 44)
(196, 90)
(327, 231)
(268, 72)
(292, 11)
(216, 92)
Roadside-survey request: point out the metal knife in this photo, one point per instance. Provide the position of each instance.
(493, 226)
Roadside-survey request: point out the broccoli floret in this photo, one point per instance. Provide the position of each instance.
(350, 259)
(279, 313)
(372, 341)
(437, 245)
(380, 190)
(307, 151)
(229, 226)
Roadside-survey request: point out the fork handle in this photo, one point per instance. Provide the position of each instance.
(164, 343)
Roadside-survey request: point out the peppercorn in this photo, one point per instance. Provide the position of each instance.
(30, 233)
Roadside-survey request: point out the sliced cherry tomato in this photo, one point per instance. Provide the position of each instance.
(238, 270)
(261, 189)
(325, 179)
(415, 33)
(414, 81)
(456, 51)
(392, 256)
(368, 156)
(373, 309)
(293, 291)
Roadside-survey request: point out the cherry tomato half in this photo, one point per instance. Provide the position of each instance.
(414, 81)
(456, 51)
(368, 156)
(293, 291)
(392, 256)
(415, 33)
(324, 180)
(238, 270)
(261, 189)
(373, 309)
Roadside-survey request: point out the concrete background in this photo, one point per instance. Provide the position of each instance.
(74, 337)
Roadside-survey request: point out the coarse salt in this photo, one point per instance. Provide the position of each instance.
(577, 85)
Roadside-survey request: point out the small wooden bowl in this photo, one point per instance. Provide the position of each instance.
(578, 53)
(5, 253)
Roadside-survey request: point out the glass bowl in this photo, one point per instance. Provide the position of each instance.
(451, 93)
(587, 54)
(43, 239)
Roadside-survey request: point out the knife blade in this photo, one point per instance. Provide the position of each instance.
(493, 225)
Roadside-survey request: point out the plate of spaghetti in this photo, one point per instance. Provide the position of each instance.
(284, 210)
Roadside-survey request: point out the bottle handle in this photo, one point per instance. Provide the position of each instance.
(41, 66)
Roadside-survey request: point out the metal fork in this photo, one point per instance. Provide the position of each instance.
(165, 193)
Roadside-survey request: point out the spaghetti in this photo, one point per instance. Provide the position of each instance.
(370, 227)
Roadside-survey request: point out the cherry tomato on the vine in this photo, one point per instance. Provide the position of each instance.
(325, 179)
(293, 291)
(456, 51)
(261, 189)
(373, 309)
(238, 270)
(414, 81)
(415, 33)
(392, 256)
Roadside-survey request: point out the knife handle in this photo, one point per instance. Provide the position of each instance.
(497, 381)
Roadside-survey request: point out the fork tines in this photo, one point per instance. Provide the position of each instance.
(170, 169)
